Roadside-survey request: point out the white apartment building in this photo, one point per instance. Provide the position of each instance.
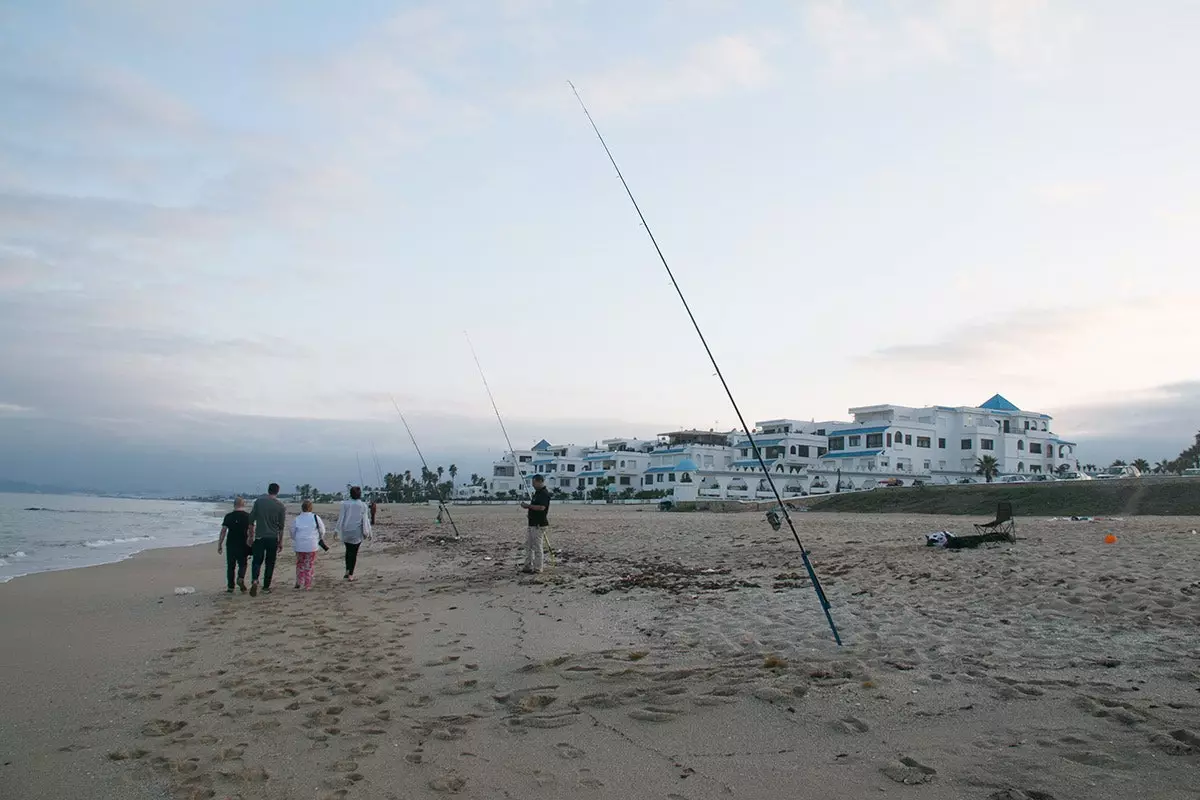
(941, 444)
(883, 443)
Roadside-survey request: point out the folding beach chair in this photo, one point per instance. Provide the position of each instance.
(1004, 523)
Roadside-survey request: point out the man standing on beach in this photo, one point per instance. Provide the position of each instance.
(267, 519)
(539, 518)
(237, 548)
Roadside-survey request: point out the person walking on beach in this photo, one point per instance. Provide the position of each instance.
(354, 526)
(267, 518)
(235, 539)
(539, 518)
(374, 506)
(307, 532)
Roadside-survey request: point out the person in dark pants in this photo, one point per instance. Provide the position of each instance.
(267, 518)
(235, 538)
(539, 511)
(354, 526)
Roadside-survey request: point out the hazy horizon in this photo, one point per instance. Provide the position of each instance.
(229, 232)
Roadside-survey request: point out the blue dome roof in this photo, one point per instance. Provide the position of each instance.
(687, 465)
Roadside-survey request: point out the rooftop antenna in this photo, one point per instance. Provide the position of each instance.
(442, 510)
(812, 575)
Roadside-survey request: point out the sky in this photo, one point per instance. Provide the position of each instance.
(231, 232)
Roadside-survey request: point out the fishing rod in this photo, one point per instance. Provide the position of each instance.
(441, 506)
(516, 464)
(812, 575)
(504, 430)
(359, 462)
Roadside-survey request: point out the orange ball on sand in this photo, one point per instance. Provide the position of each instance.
(1110, 539)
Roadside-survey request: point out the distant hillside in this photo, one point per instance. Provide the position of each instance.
(1146, 495)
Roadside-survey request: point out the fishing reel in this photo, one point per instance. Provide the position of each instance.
(774, 519)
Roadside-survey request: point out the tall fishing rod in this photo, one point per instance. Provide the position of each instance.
(516, 464)
(812, 575)
(441, 506)
(504, 430)
(358, 461)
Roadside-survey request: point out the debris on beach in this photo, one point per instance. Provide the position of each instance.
(185, 590)
(676, 579)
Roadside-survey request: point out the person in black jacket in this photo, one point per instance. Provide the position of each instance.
(539, 512)
(235, 530)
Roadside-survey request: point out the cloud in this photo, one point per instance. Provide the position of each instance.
(707, 70)
(1069, 192)
(1027, 37)
(1155, 424)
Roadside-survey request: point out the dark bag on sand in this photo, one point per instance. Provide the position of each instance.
(320, 538)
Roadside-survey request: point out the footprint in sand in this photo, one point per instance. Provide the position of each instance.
(909, 771)
(567, 750)
(853, 725)
(588, 781)
(654, 714)
(448, 783)
(162, 727)
(559, 720)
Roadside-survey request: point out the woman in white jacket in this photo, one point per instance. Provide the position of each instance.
(354, 526)
(307, 531)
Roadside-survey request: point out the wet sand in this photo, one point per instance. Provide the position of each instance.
(659, 656)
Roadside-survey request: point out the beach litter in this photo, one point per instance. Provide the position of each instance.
(185, 590)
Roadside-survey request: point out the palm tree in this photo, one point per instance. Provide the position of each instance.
(1141, 465)
(453, 472)
(1162, 467)
(988, 467)
(1119, 463)
(1090, 467)
(1063, 469)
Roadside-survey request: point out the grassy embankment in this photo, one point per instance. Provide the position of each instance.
(1127, 497)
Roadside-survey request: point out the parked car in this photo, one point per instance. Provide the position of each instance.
(1042, 478)
(1122, 471)
(891, 482)
(1075, 476)
(1011, 479)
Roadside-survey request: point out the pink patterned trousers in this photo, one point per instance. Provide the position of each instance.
(305, 565)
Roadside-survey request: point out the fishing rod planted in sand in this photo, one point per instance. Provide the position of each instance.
(812, 575)
(441, 505)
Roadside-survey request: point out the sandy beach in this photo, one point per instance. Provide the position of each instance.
(678, 656)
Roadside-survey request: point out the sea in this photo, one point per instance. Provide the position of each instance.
(44, 532)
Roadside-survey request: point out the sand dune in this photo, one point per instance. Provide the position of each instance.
(684, 656)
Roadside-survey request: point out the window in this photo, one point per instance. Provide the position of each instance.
(591, 481)
(1026, 424)
(1043, 426)
(874, 441)
(1020, 466)
(908, 438)
(987, 444)
(622, 465)
(855, 441)
(889, 440)
(671, 477)
(1005, 424)
(966, 444)
(625, 480)
(820, 431)
(1035, 448)
(821, 451)
(837, 443)
(803, 450)
(687, 478)
(649, 479)
(746, 452)
(924, 441)
(1021, 445)
(659, 477)
(928, 464)
(793, 450)
(941, 444)
(570, 467)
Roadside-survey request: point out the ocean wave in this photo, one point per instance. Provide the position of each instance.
(110, 542)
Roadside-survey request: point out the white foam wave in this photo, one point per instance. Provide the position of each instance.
(111, 542)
